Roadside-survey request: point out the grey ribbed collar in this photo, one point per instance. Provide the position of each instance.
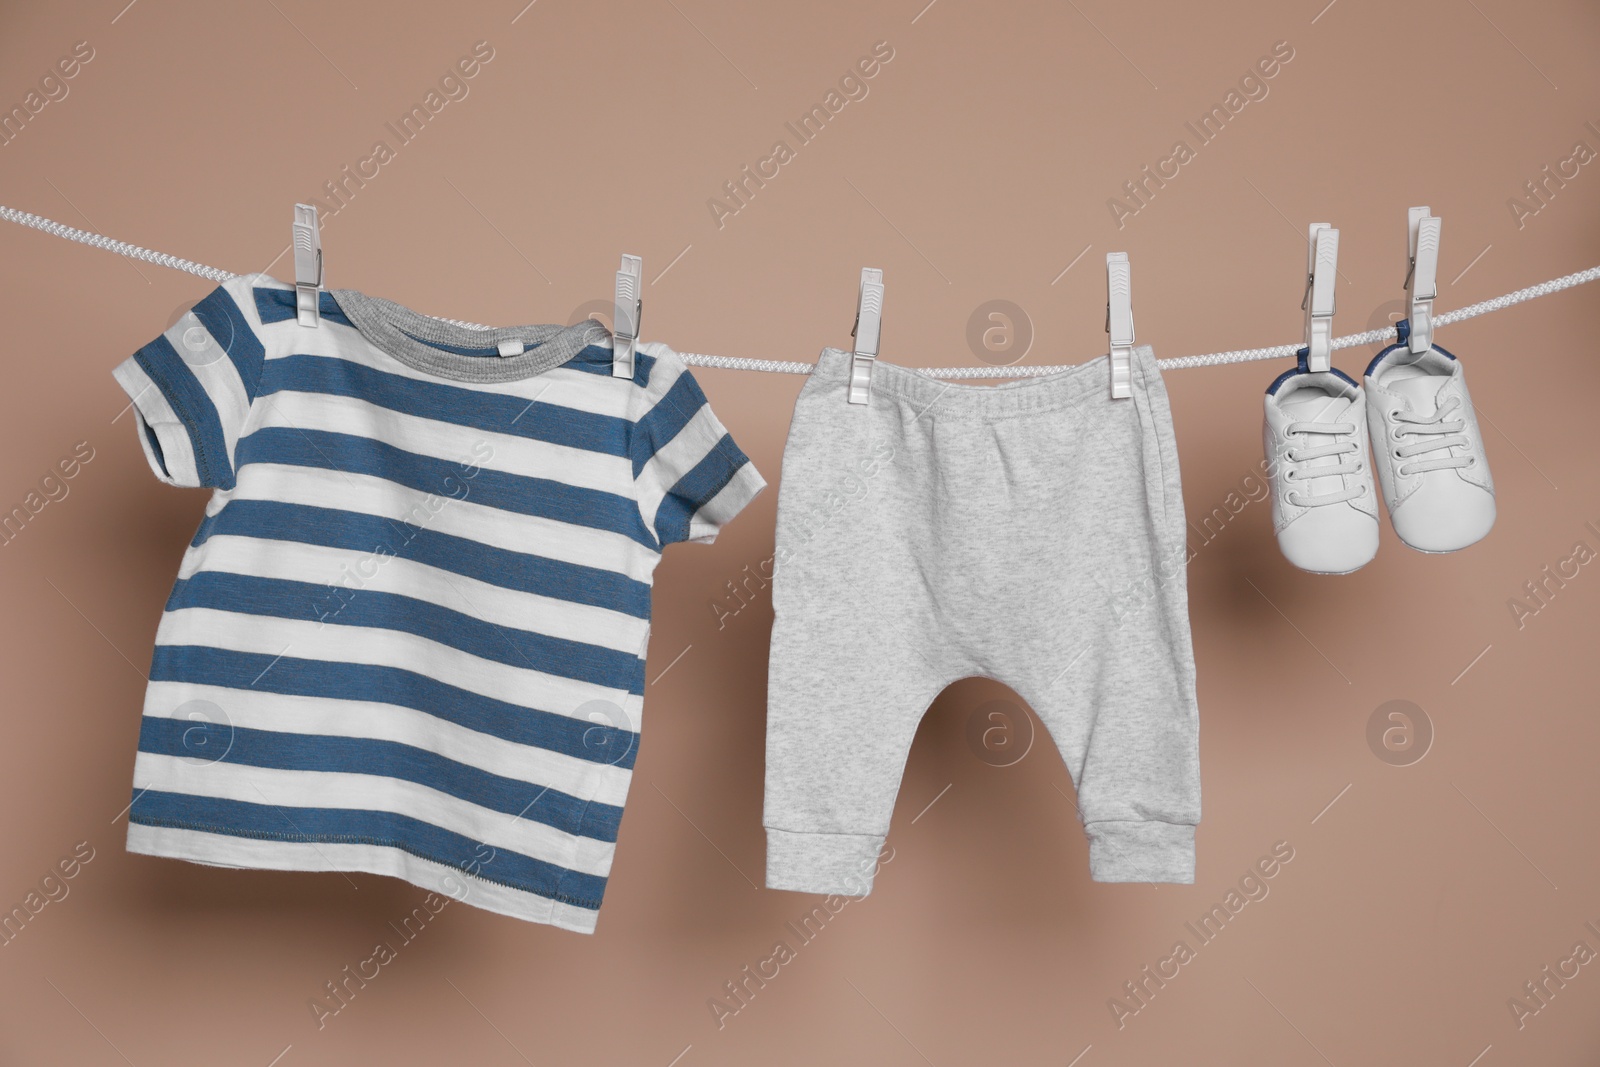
(416, 339)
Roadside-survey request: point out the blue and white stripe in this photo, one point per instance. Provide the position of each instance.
(409, 636)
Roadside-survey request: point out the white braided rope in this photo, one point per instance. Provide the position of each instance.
(121, 248)
(777, 366)
(1373, 337)
(1530, 293)
(771, 366)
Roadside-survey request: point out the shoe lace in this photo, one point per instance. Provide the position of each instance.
(1437, 433)
(1343, 442)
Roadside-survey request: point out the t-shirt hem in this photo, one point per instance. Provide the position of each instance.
(198, 845)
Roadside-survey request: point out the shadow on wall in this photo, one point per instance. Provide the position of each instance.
(987, 812)
(155, 888)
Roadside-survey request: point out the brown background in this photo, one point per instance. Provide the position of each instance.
(978, 167)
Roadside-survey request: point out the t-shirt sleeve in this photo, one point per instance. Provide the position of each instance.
(192, 387)
(690, 477)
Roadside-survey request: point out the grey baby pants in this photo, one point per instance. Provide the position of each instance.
(1031, 532)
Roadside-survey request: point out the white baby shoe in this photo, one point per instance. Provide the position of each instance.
(1324, 505)
(1429, 451)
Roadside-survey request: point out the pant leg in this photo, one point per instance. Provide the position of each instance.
(838, 731)
(854, 662)
(1125, 714)
(1101, 648)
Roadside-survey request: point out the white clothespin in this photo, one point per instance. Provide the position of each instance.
(625, 317)
(869, 324)
(307, 265)
(1322, 267)
(1422, 277)
(1119, 322)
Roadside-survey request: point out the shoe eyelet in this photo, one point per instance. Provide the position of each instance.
(1288, 475)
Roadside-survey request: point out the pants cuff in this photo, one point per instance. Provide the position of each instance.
(1141, 851)
(841, 864)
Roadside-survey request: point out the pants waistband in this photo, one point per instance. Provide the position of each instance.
(1064, 388)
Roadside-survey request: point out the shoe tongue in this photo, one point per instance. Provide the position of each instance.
(1421, 393)
(1313, 405)
(1418, 379)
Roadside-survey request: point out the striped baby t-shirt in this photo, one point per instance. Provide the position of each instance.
(409, 636)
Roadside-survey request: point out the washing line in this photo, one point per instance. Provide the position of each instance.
(697, 359)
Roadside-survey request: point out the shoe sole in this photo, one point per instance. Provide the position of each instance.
(1308, 570)
(1437, 551)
